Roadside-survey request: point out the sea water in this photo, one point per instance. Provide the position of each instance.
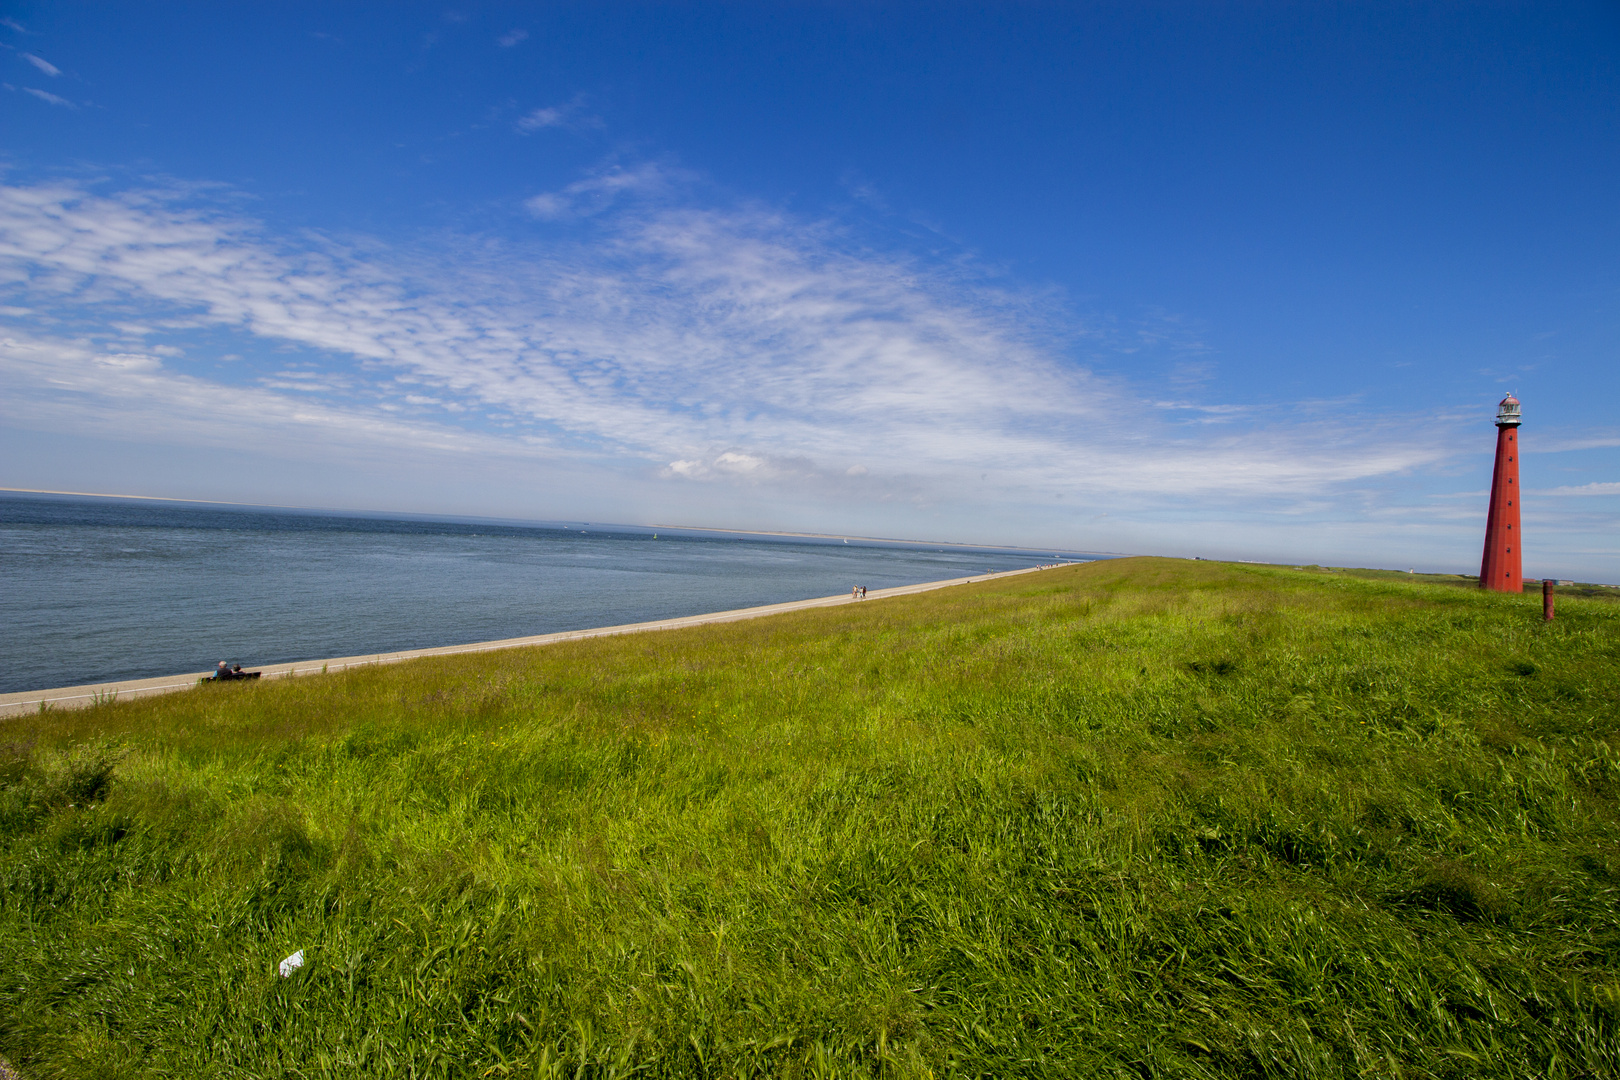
(101, 589)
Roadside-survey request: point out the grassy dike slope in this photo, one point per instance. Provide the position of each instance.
(1137, 818)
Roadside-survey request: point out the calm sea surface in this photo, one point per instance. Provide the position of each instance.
(93, 590)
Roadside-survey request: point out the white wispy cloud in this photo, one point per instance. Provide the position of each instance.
(572, 114)
(76, 385)
(1565, 444)
(736, 347)
(46, 95)
(44, 65)
(538, 119)
(1595, 488)
(511, 38)
(598, 192)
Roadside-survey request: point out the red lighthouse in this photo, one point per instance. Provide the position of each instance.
(1502, 567)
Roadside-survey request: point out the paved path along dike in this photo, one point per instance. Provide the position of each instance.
(79, 697)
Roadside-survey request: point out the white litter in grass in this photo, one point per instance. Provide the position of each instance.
(292, 963)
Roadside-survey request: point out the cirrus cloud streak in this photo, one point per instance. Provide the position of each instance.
(734, 345)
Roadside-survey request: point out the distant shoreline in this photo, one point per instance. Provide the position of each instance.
(21, 702)
(408, 515)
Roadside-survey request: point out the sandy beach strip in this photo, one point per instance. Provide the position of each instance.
(80, 697)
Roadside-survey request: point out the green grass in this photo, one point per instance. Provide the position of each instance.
(1467, 581)
(1139, 818)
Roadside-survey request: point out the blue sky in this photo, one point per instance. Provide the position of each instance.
(1235, 280)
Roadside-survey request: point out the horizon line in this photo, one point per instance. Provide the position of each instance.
(536, 521)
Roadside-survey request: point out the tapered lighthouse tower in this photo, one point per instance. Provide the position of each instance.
(1502, 567)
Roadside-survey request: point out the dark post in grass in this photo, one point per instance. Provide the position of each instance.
(1547, 599)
